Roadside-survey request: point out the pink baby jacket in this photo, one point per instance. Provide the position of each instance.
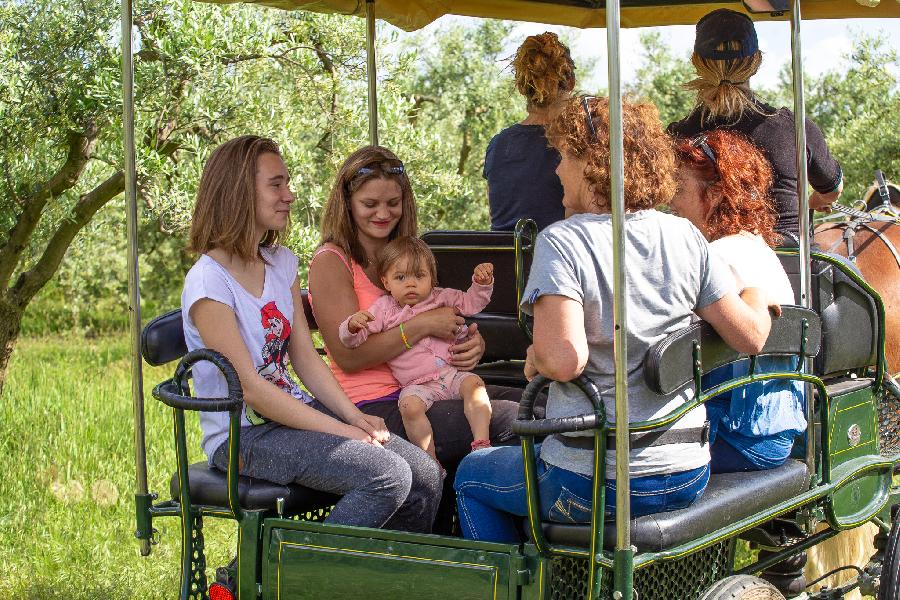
(430, 355)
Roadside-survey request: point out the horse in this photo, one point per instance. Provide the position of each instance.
(874, 247)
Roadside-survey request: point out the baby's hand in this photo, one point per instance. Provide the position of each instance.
(484, 274)
(358, 321)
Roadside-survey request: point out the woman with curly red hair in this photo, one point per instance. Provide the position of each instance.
(724, 183)
(671, 276)
(519, 165)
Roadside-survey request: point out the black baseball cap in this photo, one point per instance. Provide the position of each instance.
(722, 26)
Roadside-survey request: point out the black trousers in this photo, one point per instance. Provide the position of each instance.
(453, 438)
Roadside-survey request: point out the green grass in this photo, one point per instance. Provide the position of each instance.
(67, 476)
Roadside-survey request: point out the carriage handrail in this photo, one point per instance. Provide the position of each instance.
(525, 426)
(171, 392)
(176, 393)
(524, 228)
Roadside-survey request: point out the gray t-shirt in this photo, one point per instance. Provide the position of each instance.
(670, 272)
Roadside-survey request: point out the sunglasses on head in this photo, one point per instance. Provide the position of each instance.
(589, 120)
(388, 168)
(700, 142)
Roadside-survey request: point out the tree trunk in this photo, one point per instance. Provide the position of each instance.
(10, 324)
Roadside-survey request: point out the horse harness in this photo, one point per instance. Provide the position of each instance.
(861, 220)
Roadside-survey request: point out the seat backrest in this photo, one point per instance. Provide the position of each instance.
(669, 364)
(162, 339)
(847, 310)
(457, 253)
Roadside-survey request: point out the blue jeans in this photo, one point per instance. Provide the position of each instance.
(491, 496)
(734, 453)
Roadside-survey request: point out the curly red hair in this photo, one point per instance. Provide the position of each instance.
(649, 154)
(743, 174)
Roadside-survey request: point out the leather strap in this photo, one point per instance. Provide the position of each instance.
(645, 439)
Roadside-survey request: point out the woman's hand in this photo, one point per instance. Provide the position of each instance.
(466, 354)
(355, 433)
(441, 323)
(372, 425)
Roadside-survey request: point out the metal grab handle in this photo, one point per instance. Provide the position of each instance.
(171, 392)
(526, 425)
(558, 425)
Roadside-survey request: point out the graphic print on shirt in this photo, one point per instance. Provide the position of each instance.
(274, 351)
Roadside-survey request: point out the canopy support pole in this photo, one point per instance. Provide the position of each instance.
(623, 569)
(803, 208)
(370, 72)
(134, 291)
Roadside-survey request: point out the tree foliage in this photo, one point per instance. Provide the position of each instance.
(858, 108)
(207, 73)
(661, 78)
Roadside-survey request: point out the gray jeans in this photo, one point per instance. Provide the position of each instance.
(396, 487)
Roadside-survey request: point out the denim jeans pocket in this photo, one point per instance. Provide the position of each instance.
(570, 508)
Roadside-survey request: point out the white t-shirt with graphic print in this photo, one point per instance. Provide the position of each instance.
(264, 324)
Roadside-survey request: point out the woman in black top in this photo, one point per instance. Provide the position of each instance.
(726, 54)
(520, 166)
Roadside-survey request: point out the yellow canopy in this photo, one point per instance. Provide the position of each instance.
(414, 14)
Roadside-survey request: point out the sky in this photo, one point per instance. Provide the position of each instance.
(824, 44)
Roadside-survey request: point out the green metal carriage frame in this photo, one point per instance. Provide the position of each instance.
(283, 555)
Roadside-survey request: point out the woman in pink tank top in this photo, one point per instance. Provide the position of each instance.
(370, 204)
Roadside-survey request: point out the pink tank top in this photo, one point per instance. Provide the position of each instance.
(374, 382)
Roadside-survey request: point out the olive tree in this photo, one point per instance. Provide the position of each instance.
(203, 74)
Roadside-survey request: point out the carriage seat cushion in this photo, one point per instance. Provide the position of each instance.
(729, 497)
(209, 487)
(843, 306)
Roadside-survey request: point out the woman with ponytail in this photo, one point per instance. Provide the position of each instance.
(520, 166)
(726, 55)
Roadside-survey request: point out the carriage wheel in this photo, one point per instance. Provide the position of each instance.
(743, 587)
(889, 588)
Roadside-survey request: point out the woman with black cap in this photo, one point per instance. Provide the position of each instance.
(726, 55)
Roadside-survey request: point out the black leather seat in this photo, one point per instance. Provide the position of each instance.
(729, 497)
(456, 254)
(843, 306)
(209, 486)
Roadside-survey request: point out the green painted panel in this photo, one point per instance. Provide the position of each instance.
(856, 501)
(310, 565)
(852, 432)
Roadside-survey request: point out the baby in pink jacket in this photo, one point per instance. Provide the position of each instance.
(407, 270)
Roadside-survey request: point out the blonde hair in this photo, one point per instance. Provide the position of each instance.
(338, 226)
(543, 69)
(649, 167)
(722, 85)
(225, 213)
(415, 251)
